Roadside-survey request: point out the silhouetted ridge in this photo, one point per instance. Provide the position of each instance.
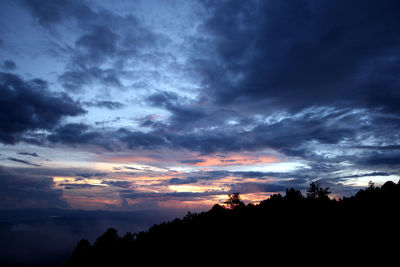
(281, 228)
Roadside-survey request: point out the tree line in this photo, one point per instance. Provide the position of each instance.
(282, 227)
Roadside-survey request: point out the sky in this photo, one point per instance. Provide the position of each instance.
(150, 104)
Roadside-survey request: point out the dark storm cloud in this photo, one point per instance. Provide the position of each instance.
(149, 121)
(299, 179)
(80, 75)
(366, 175)
(120, 184)
(29, 105)
(209, 142)
(96, 23)
(288, 133)
(246, 188)
(23, 162)
(50, 13)
(73, 80)
(112, 105)
(254, 174)
(293, 133)
(298, 136)
(97, 45)
(73, 186)
(33, 154)
(296, 55)
(335, 78)
(180, 181)
(104, 37)
(181, 113)
(380, 159)
(300, 176)
(141, 140)
(74, 134)
(79, 173)
(91, 50)
(198, 177)
(21, 191)
(9, 65)
(163, 99)
(389, 147)
(104, 122)
(129, 194)
(192, 161)
(89, 175)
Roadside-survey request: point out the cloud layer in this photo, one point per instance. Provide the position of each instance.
(29, 105)
(183, 102)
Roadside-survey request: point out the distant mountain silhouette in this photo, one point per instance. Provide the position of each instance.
(288, 229)
(47, 237)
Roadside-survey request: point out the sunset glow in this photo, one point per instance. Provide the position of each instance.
(122, 115)
(140, 105)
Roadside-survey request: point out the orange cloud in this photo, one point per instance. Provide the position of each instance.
(255, 198)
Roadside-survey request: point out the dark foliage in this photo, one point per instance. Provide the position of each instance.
(287, 229)
(317, 192)
(234, 201)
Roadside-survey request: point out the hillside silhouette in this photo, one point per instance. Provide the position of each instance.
(286, 228)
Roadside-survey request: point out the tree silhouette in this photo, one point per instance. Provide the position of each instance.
(315, 191)
(293, 194)
(82, 253)
(234, 201)
(277, 227)
(108, 239)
